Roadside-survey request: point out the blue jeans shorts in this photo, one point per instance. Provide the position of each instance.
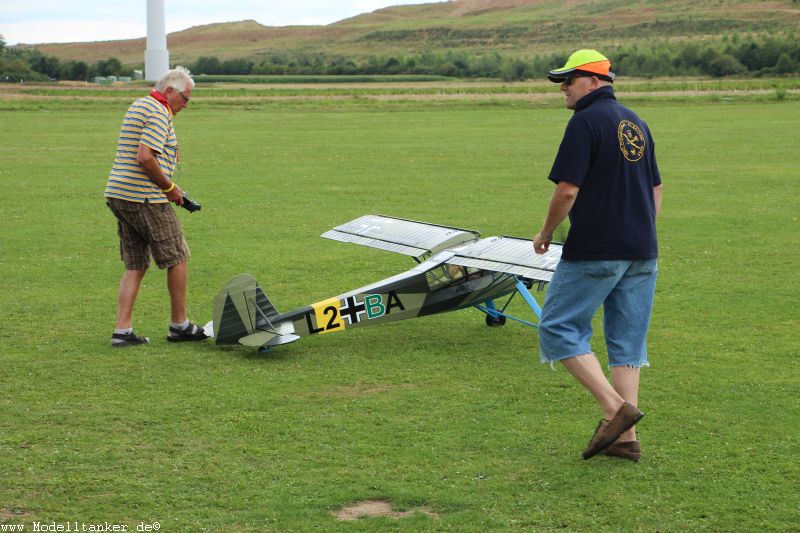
(625, 289)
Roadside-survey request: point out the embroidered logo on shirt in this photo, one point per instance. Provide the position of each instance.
(631, 140)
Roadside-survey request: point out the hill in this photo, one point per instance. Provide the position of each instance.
(520, 27)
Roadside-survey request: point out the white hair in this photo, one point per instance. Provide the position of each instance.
(177, 78)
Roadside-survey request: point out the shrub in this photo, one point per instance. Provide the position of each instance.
(726, 65)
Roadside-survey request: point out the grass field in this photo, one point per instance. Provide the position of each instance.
(342, 91)
(440, 413)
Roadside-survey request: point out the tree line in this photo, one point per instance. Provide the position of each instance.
(736, 56)
(771, 55)
(29, 64)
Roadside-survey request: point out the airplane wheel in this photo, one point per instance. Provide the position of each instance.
(495, 322)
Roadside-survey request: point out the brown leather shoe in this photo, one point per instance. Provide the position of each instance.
(609, 430)
(630, 450)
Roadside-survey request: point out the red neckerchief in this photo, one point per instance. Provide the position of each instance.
(161, 98)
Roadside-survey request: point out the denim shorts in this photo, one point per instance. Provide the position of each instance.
(625, 289)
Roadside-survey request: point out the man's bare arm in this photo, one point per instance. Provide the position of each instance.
(657, 197)
(560, 205)
(149, 163)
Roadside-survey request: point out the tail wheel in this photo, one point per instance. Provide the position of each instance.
(494, 322)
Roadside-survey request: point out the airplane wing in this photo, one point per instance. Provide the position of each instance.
(401, 236)
(509, 255)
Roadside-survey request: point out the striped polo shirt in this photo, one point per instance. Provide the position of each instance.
(147, 122)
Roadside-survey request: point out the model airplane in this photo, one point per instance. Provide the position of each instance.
(456, 269)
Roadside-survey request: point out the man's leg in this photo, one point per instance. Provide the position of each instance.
(180, 329)
(177, 276)
(128, 290)
(626, 382)
(575, 293)
(566, 327)
(587, 370)
(626, 319)
(618, 415)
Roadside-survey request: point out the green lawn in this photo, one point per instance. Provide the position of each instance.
(440, 412)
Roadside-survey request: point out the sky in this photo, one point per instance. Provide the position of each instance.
(58, 21)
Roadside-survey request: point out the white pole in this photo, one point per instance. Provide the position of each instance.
(156, 56)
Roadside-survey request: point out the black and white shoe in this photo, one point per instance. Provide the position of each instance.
(192, 332)
(124, 340)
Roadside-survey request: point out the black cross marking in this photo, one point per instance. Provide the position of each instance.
(352, 310)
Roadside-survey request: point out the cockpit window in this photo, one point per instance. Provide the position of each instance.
(446, 275)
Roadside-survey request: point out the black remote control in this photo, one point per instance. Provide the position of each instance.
(190, 205)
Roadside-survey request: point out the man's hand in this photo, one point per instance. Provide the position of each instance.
(541, 243)
(175, 195)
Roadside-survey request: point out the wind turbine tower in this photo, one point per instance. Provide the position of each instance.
(156, 56)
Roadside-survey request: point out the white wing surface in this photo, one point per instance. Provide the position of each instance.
(510, 255)
(401, 236)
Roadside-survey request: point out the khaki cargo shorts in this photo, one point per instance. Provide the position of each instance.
(148, 229)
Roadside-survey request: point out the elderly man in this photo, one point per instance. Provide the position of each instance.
(607, 181)
(138, 192)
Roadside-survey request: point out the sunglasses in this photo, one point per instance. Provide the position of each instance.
(185, 98)
(569, 81)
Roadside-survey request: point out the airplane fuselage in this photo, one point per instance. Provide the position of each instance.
(424, 290)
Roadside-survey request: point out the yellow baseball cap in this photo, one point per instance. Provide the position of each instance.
(584, 63)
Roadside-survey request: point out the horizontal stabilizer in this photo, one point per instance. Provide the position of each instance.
(402, 236)
(266, 338)
(510, 255)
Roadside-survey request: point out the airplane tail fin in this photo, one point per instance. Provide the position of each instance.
(243, 314)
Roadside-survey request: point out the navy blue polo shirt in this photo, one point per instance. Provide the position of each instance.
(608, 152)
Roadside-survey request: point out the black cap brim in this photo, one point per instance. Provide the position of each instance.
(559, 76)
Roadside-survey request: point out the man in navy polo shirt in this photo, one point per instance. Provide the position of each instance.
(607, 181)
